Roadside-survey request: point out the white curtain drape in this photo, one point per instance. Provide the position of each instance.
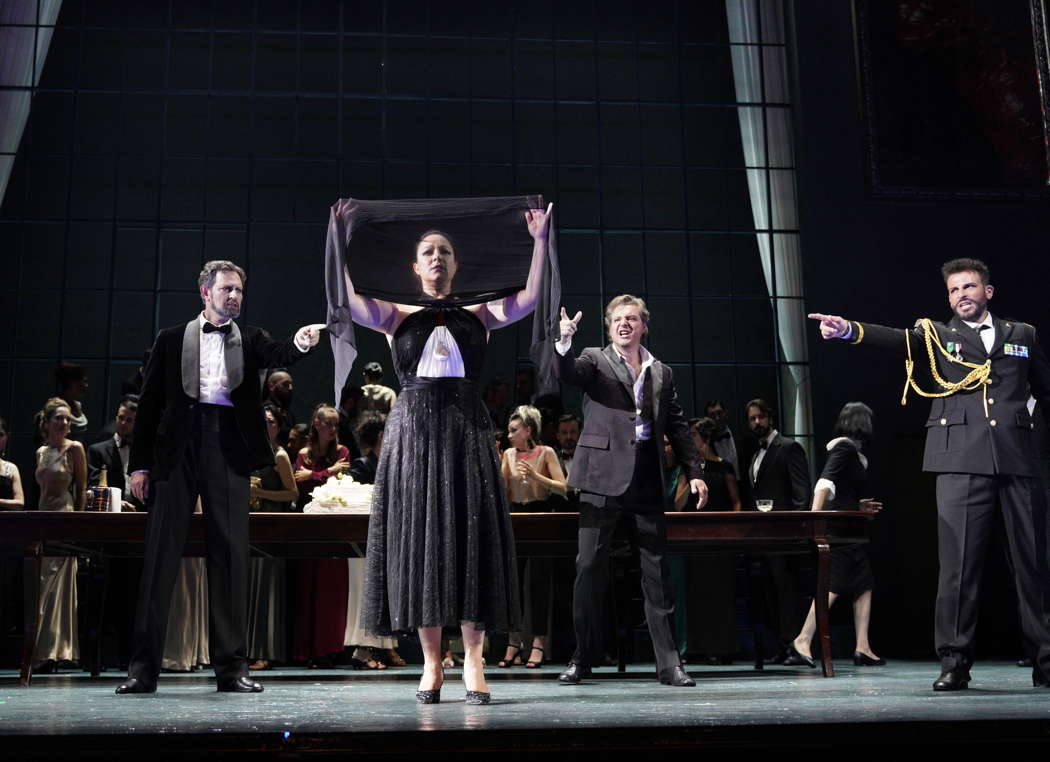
(23, 50)
(760, 76)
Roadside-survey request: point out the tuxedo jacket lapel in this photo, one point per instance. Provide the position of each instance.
(191, 359)
(771, 452)
(234, 357)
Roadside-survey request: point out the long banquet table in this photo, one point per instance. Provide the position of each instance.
(35, 534)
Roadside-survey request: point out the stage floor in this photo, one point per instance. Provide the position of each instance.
(368, 712)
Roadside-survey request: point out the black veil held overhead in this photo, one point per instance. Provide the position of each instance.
(377, 241)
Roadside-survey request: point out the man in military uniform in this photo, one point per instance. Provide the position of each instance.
(979, 442)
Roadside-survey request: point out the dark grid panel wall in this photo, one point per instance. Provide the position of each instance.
(165, 134)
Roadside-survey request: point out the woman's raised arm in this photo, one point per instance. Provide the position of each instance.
(501, 312)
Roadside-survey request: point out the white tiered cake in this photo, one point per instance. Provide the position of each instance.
(340, 494)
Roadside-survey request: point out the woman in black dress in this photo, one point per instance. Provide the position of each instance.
(440, 543)
(841, 484)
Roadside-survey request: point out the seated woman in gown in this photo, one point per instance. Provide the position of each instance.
(440, 543)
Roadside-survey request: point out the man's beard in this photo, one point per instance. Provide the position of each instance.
(227, 313)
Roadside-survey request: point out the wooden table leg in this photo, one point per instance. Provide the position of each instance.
(821, 603)
(756, 608)
(31, 569)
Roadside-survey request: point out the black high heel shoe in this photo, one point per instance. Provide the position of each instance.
(863, 660)
(514, 660)
(429, 697)
(795, 659)
(532, 664)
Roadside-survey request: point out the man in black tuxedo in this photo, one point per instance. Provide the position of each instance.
(200, 430)
(630, 405)
(114, 453)
(779, 472)
(979, 442)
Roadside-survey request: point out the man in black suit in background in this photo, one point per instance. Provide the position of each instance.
(113, 455)
(629, 405)
(779, 472)
(979, 442)
(200, 430)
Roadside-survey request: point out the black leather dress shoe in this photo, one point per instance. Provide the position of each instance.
(573, 674)
(677, 677)
(795, 659)
(952, 680)
(241, 685)
(778, 658)
(134, 685)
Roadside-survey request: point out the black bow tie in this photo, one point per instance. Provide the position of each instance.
(223, 329)
(980, 328)
(763, 445)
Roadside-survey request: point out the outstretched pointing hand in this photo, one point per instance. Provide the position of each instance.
(831, 326)
(567, 326)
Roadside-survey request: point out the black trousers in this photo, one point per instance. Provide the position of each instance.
(205, 472)
(642, 504)
(966, 505)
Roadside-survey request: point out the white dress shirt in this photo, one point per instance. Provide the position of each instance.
(124, 448)
(642, 427)
(987, 334)
(214, 383)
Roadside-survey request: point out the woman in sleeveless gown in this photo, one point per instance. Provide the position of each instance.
(531, 473)
(61, 472)
(440, 543)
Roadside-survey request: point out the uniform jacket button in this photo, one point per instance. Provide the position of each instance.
(991, 401)
(944, 422)
(992, 422)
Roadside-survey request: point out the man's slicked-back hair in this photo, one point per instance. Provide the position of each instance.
(966, 265)
(622, 300)
(213, 268)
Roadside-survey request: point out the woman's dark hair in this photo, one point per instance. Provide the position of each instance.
(706, 428)
(369, 429)
(855, 422)
(281, 431)
(435, 231)
(313, 453)
(67, 373)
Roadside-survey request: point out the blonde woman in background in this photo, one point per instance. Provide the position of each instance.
(531, 472)
(61, 472)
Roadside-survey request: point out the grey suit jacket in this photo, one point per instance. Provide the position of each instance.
(606, 452)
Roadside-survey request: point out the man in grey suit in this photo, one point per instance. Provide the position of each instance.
(629, 406)
(979, 442)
